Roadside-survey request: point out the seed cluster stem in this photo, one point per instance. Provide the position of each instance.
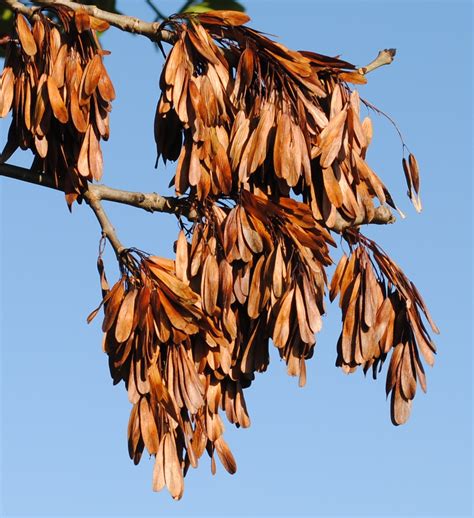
(108, 229)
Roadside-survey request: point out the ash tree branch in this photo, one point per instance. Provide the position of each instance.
(152, 29)
(120, 21)
(96, 193)
(153, 202)
(150, 202)
(382, 216)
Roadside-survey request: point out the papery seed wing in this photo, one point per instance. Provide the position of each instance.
(27, 40)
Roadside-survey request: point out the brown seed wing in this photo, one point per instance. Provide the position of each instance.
(182, 259)
(330, 139)
(225, 455)
(105, 85)
(336, 278)
(112, 305)
(256, 288)
(7, 83)
(125, 316)
(133, 433)
(91, 76)
(400, 408)
(56, 101)
(98, 25)
(77, 115)
(95, 155)
(210, 284)
(83, 159)
(27, 40)
(158, 469)
(173, 473)
(59, 67)
(281, 329)
(148, 427)
(415, 174)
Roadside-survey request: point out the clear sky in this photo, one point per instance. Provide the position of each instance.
(326, 449)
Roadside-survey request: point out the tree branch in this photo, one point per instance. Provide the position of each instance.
(384, 57)
(153, 202)
(120, 21)
(383, 216)
(150, 202)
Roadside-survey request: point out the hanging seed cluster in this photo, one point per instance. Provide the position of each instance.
(173, 360)
(60, 94)
(188, 335)
(381, 311)
(240, 111)
(271, 154)
(259, 268)
(254, 127)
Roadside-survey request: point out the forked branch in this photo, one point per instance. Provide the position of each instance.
(108, 229)
(153, 202)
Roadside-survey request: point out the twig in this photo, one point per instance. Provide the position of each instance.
(382, 216)
(384, 57)
(120, 21)
(107, 228)
(153, 202)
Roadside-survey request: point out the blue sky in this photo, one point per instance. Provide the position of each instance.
(328, 449)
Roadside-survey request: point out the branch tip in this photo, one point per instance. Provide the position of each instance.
(384, 57)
